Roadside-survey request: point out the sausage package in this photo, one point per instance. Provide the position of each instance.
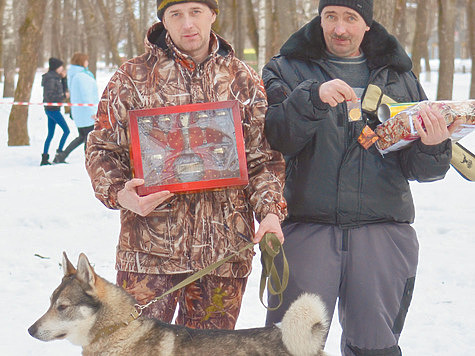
(399, 130)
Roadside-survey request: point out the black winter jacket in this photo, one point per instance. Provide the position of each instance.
(54, 89)
(330, 177)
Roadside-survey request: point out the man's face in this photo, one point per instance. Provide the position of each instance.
(343, 30)
(189, 25)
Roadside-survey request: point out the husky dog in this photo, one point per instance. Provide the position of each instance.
(97, 315)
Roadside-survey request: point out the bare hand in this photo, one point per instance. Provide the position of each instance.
(436, 130)
(271, 224)
(129, 199)
(336, 91)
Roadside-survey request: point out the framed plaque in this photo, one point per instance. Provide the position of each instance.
(188, 148)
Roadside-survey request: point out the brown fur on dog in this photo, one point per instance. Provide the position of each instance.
(95, 314)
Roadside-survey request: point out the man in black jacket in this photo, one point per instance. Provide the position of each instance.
(348, 233)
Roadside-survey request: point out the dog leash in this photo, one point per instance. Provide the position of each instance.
(270, 247)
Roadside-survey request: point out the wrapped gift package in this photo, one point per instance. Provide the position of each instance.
(399, 130)
(188, 148)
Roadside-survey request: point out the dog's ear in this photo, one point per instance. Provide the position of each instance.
(85, 272)
(68, 267)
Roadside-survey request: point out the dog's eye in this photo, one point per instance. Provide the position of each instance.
(62, 307)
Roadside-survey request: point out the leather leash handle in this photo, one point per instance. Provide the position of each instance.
(270, 247)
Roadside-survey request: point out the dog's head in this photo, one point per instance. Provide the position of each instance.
(74, 305)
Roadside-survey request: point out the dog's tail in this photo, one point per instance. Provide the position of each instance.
(305, 326)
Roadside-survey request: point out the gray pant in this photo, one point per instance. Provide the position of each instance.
(371, 270)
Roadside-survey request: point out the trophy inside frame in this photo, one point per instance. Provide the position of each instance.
(187, 148)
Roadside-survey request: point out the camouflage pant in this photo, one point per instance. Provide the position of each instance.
(209, 303)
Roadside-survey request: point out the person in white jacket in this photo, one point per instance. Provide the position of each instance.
(83, 90)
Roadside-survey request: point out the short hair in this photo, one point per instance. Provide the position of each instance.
(79, 59)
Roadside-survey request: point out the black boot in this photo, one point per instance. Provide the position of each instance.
(44, 159)
(60, 157)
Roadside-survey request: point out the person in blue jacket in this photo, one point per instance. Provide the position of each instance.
(83, 90)
(55, 90)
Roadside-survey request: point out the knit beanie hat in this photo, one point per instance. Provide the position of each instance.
(163, 4)
(54, 63)
(363, 7)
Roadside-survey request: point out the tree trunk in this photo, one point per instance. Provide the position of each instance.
(384, 13)
(69, 39)
(399, 24)
(144, 15)
(261, 54)
(238, 29)
(308, 10)
(225, 21)
(421, 36)
(9, 54)
(252, 31)
(30, 39)
(471, 27)
(110, 33)
(55, 29)
(271, 47)
(446, 33)
(92, 32)
(285, 11)
(2, 24)
(137, 35)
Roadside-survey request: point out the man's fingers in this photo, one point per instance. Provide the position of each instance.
(133, 183)
(419, 128)
(157, 197)
(455, 126)
(336, 91)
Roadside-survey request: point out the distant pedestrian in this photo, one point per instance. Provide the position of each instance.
(83, 89)
(55, 90)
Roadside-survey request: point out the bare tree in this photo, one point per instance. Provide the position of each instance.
(55, 29)
(238, 32)
(384, 13)
(306, 10)
(399, 23)
(69, 39)
(2, 29)
(110, 33)
(285, 14)
(137, 35)
(471, 30)
(446, 31)
(10, 53)
(421, 37)
(92, 32)
(271, 23)
(251, 21)
(261, 55)
(31, 33)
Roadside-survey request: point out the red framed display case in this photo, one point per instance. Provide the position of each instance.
(188, 148)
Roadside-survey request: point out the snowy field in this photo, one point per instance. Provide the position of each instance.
(47, 210)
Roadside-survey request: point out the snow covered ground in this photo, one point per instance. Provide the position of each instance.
(47, 210)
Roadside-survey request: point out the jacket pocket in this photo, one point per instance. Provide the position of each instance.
(404, 307)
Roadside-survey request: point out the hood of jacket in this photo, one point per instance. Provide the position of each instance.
(73, 70)
(379, 47)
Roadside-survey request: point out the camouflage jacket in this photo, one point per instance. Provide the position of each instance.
(190, 231)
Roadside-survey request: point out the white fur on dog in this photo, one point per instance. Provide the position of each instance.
(303, 326)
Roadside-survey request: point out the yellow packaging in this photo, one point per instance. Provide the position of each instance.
(387, 111)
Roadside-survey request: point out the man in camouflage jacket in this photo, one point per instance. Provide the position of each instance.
(165, 237)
